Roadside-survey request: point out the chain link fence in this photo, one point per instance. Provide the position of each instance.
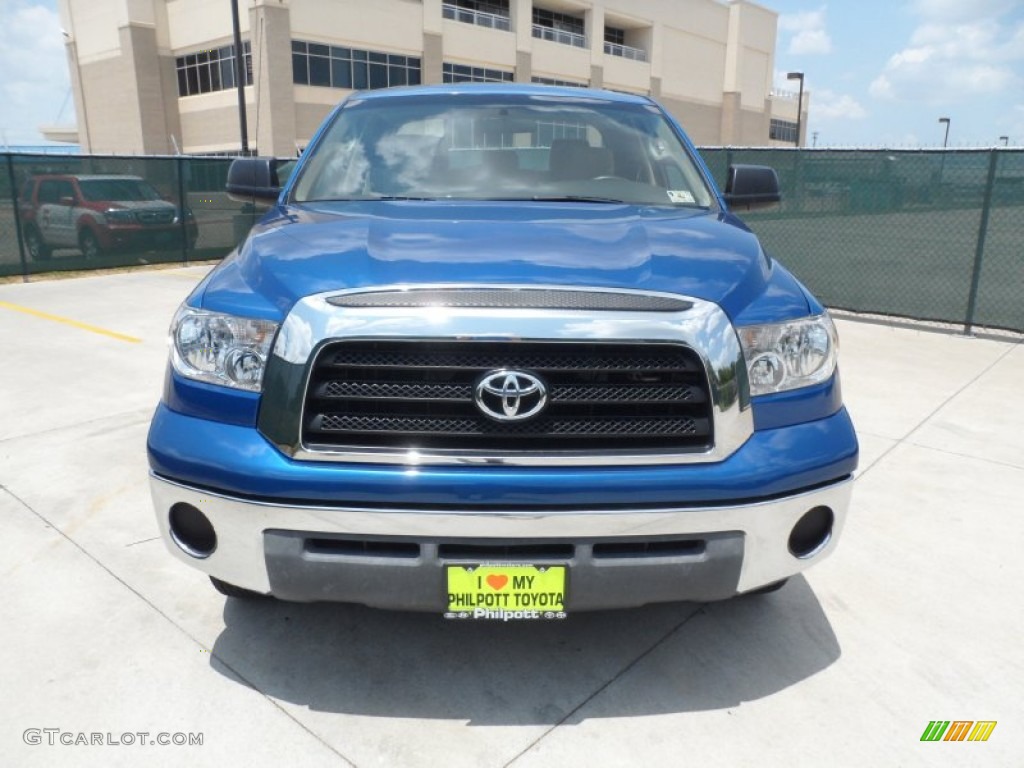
(931, 235)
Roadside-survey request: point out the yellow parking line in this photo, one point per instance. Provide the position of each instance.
(69, 321)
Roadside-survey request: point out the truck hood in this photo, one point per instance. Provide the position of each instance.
(304, 249)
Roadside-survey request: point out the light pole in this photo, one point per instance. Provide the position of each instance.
(945, 141)
(240, 78)
(799, 103)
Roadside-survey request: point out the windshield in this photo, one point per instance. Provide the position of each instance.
(120, 190)
(502, 147)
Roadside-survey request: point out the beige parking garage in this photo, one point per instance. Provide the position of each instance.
(157, 76)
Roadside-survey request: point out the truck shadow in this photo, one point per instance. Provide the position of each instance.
(682, 657)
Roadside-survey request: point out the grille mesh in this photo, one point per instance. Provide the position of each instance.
(425, 425)
(419, 395)
(403, 390)
(629, 394)
(486, 360)
(385, 390)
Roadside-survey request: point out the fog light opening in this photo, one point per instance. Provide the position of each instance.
(811, 532)
(191, 530)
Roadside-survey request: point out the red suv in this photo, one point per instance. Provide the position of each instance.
(99, 213)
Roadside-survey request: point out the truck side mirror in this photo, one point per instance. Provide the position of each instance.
(751, 187)
(253, 180)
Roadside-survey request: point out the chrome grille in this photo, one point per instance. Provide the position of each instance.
(155, 217)
(418, 395)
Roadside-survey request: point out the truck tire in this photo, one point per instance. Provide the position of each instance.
(767, 590)
(37, 249)
(88, 244)
(230, 590)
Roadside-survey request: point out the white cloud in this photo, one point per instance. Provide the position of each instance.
(809, 35)
(828, 105)
(960, 10)
(950, 58)
(35, 71)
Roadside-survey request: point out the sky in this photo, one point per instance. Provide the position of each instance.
(879, 73)
(883, 73)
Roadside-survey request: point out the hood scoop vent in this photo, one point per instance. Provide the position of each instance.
(513, 298)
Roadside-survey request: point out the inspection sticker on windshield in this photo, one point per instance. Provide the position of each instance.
(680, 196)
(506, 592)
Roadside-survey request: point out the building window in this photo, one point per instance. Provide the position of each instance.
(331, 66)
(615, 36)
(559, 28)
(546, 132)
(556, 81)
(469, 134)
(211, 70)
(782, 130)
(615, 45)
(493, 14)
(459, 73)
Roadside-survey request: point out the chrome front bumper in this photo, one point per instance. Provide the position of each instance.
(248, 530)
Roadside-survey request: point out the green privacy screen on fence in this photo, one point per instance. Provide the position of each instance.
(91, 212)
(903, 233)
(933, 235)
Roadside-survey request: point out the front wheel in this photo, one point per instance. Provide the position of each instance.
(37, 249)
(767, 590)
(230, 590)
(88, 244)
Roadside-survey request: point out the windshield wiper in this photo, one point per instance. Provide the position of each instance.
(391, 198)
(530, 198)
(374, 199)
(557, 199)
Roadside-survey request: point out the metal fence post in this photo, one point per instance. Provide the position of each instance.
(979, 251)
(17, 216)
(798, 179)
(179, 165)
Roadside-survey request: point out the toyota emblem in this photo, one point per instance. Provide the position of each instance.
(505, 395)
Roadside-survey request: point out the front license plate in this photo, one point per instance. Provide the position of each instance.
(506, 592)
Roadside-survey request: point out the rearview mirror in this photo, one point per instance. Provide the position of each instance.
(752, 186)
(253, 180)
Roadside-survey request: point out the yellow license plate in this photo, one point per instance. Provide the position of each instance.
(506, 592)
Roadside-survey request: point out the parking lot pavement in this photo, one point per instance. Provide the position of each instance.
(915, 618)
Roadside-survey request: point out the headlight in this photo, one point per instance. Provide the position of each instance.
(119, 216)
(221, 349)
(790, 355)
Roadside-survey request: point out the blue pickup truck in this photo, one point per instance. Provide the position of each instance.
(501, 353)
